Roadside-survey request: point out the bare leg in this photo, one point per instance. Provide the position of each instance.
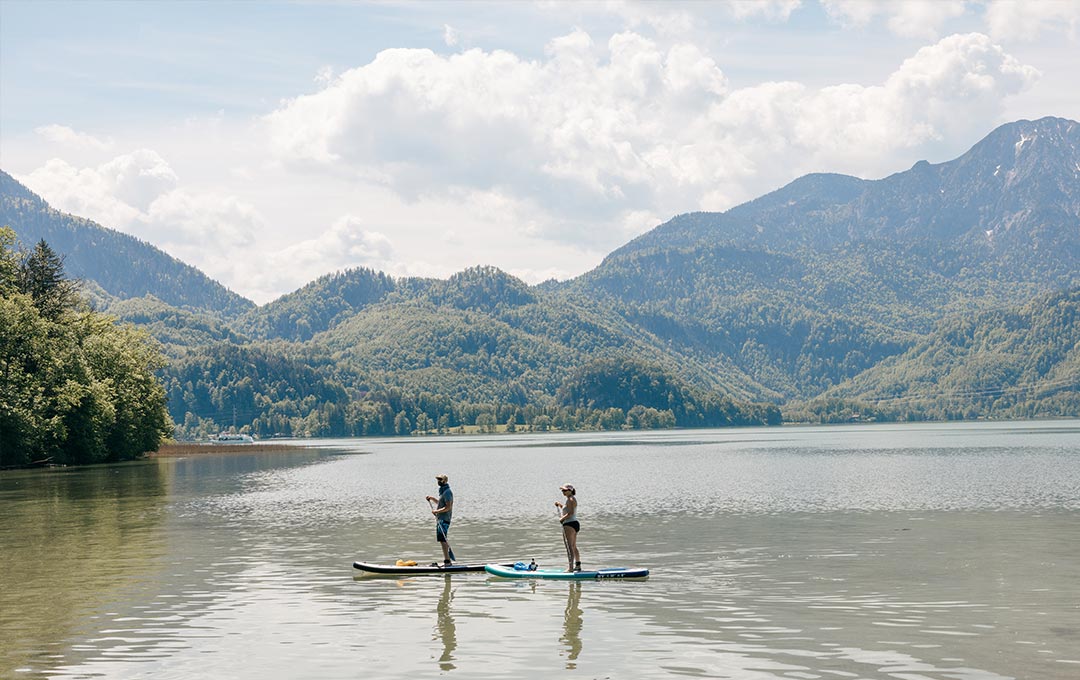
(572, 554)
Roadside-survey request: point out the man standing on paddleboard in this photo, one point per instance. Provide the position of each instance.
(443, 513)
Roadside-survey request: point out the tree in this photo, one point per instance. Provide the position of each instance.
(402, 424)
(24, 351)
(9, 262)
(42, 278)
(74, 388)
(424, 423)
(486, 422)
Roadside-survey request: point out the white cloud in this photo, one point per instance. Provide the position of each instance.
(924, 18)
(138, 178)
(574, 125)
(450, 35)
(83, 192)
(908, 18)
(139, 193)
(1028, 20)
(324, 76)
(346, 243)
(943, 91)
(66, 136)
(203, 223)
(115, 193)
(595, 132)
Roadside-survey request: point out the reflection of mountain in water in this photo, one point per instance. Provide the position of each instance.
(70, 540)
(445, 627)
(572, 619)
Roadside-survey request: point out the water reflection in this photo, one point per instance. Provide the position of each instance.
(859, 553)
(572, 620)
(71, 539)
(445, 628)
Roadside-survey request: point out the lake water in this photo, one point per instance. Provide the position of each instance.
(886, 551)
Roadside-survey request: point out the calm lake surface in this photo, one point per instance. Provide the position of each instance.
(885, 551)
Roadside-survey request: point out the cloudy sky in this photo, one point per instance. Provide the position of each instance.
(269, 143)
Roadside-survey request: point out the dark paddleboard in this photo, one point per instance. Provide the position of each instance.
(418, 569)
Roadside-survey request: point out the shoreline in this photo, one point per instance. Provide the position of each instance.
(190, 448)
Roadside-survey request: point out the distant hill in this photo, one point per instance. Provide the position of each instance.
(178, 329)
(121, 265)
(816, 282)
(318, 306)
(1008, 208)
(1019, 362)
(484, 334)
(479, 349)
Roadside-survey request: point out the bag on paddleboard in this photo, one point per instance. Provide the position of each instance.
(405, 563)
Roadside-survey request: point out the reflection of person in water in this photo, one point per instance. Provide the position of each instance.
(445, 628)
(572, 624)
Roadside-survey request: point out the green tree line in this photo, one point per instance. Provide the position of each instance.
(283, 389)
(75, 387)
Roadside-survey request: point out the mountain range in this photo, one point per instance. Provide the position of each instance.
(833, 297)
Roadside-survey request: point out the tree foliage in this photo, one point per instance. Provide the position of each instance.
(74, 386)
(478, 351)
(1012, 362)
(647, 391)
(42, 278)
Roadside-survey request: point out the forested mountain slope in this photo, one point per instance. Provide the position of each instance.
(1010, 207)
(123, 266)
(481, 348)
(1018, 362)
(483, 334)
(812, 284)
(318, 306)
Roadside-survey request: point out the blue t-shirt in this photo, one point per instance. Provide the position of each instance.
(446, 496)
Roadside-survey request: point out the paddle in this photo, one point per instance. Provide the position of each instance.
(440, 532)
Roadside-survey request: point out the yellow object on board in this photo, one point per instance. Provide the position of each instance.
(405, 563)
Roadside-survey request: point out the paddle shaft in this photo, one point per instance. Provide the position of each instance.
(439, 531)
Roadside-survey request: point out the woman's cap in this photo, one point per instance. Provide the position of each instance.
(568, 487)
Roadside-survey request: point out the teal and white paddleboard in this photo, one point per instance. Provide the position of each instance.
(508, 571)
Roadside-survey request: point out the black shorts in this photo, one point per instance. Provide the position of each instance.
(440, 532)
(575, 525)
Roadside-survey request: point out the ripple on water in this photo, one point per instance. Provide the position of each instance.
(821, 553)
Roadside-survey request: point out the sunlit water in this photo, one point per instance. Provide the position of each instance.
(906, 552)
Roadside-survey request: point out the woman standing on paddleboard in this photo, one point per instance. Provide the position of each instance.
(570, 526)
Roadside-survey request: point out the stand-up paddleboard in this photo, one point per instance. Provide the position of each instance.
(418, 569)
(508, 571)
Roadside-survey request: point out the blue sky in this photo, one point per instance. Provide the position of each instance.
(270, 143)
